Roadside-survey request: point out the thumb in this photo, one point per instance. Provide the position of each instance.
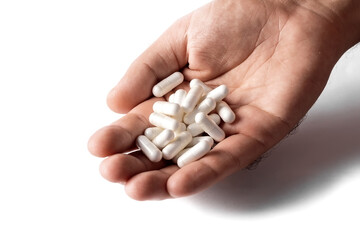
(165, 56)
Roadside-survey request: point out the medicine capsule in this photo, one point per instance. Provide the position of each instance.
(148, 148)
(215, 117)
(180, 115)
(163, 138)
(167, 84)
(152, 132)
(194, 153)
(218, 93)
(179, 154)
(167, 108)
(210, 127)
(206, 106)
(201, 83)
(179, 96)
(171, 98)
(225, 112)
(178, 144)
(195, 140)
(182, 128)
(195, 129)
(163, 121)
(192, 98)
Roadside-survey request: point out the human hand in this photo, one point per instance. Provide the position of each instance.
(275, 57)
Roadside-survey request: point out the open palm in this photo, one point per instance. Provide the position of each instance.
(275, 59)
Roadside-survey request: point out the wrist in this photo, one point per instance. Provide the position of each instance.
(342, 14)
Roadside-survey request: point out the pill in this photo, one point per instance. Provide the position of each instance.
(225, 112)
(182, 127)
(148, 148)
(210, 127)
(179, 154)
(215, 117)
(201, 83)
(179, 96)
(218, 93)
(180, 115)
(152, 132)
(206, 106)
(194, 153)
(178, 144)
(167, 84)
(192, 98)
(163, 138)
(195, 140)
(163, 121)
(195, 129)
(171, 98)
(167, 108)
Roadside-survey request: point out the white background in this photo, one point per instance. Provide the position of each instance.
(59, 59)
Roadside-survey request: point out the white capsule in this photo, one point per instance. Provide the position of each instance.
(195, 129)
(148, 148)
(163, 121)
(206, 106)
(192, 98)
(218, 93)
(152, 132)
(180, 115)
(195, 140)
(171, 98)
(167, 84)
(194, 153)
(167, 108)
(210, 127)
(182, 128)
(179, 154)
(178, 144)
(225, 112)
(201, 83)
(179, 96)
(215, 117)
(163, 138)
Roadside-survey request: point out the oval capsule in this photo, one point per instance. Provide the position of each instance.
(192, 98)
(194, 153)
(163, 138)
(166, 108)
(163, 121)
(167, 84)
(210, 127)
(148, 148)
(225, 112)
(218, 93)
(178, 144)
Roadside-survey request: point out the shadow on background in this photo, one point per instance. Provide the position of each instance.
(304, 165)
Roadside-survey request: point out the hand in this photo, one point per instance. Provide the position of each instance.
(275, 57)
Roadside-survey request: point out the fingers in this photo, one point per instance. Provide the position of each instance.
(165, 56)
(119, 168)
(150, 181)
(151, 185)
(120, 136)
(146, 180)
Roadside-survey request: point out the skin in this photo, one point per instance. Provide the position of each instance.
(275, 57)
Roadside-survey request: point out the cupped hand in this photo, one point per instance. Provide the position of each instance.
(275, 57)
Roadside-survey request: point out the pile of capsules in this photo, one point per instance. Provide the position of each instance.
(181, 124)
